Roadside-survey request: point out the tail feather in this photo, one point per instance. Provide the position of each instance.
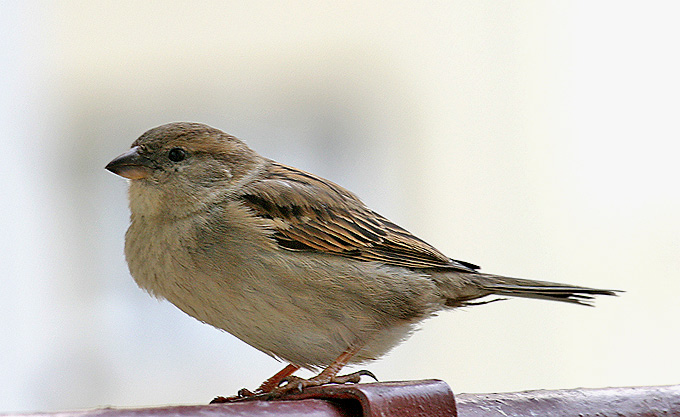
(526, 288)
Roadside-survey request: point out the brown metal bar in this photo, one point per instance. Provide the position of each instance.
(307, 408)
(430, 398)
(602, 402)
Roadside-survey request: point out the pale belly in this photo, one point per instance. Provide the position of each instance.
(306, 310)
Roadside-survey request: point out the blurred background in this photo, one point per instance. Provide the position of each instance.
(537, 139)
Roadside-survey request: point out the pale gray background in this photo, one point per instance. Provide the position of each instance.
(537, 139)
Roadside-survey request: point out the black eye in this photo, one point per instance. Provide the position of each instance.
(177, 154)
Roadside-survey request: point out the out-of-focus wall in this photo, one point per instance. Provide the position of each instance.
(538, 139)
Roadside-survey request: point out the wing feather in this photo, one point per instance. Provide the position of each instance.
(309, 213)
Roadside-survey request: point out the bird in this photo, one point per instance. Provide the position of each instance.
(290, 263)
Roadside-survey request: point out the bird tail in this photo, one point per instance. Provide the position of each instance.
(526, 288)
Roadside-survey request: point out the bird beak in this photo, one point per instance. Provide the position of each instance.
(131, 165)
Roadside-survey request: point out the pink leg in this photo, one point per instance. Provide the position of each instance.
(327, 376)
(267, 386)
(274, 381)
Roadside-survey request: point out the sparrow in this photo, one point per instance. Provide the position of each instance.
(289, 262)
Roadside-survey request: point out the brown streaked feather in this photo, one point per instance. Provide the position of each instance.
(313, 214)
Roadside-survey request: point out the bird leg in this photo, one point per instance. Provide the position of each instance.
(283, 382)
(267, 386)
(327, 376)
(271, 382)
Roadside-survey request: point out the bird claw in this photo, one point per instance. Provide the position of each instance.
(291, 383)
(244, 392)
(246, 395)
(358, 375)
(294, 383)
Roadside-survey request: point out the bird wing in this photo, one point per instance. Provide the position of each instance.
(308, 213)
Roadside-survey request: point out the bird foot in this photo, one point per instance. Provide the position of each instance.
(294, 384)
(244, 394)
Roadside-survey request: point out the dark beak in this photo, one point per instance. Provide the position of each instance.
(131, 165)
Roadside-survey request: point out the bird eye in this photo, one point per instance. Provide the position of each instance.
(177, 154)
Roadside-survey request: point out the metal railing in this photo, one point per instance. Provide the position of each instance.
(429, 398)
